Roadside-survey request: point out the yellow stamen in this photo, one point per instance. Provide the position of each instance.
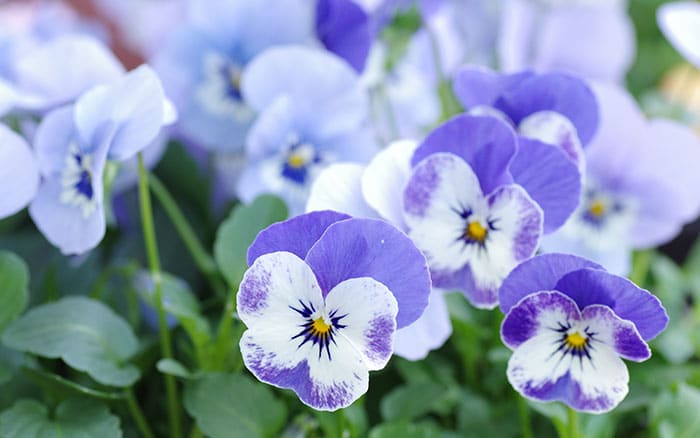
(597, 208)
(296, 161)
(476, 232)
(319, 326)
(576, 340)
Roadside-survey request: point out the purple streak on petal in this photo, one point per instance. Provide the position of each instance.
(372, 248)
(550, 178)
(344, 29)
(561, 93)
(486, 143)
(296, 235)
(463, 281)
(539, 273)
(379, 334)
(422, 184)
(592, 286)
(627, 340)
(529, 225)
(568, 390)
(477, 85)
(523, 320)
(253, 292)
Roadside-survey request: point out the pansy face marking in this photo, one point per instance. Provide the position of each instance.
(220, 88)
(318, 328)
(76, 180)
(300, 158)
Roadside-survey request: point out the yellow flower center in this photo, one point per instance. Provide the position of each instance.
(320, 327)
(476, 232)
(576, 340)
(296, 161)
(597, 208)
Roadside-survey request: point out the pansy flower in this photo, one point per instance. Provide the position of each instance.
(202, 64)
(313, 111)
(19, 174)
(322, 299)
(568, 322)
(374, 191)
(639, 192)
(73, 143)
(554, 108)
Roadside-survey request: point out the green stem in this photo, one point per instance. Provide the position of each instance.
(641, 265)
(524, 414)
(149, 236)
(137, 414)
(572, 423)
(205, 262)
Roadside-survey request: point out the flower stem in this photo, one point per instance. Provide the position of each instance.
(641, 263)
(572, 423)
(137, 414)
(204, 261)
(524, 414)
(149, 236)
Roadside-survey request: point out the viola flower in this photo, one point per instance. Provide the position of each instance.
(680, 21)
(638, 192)
(548, 37)
(374, 191)
(73, 143)
(344, 29)
(202, 63)
(19, 177)
(313, 111)
(322, 299)
(568, 322)
(553, 108)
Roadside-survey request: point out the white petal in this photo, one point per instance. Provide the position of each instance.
(428, 333)
(338, 187)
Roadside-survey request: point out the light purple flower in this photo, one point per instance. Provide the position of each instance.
(568, 322)
(641, 186)
(322, 299)
(19, 174)
(344, 29)
(313, 111)
(592, 39)
(680, 23)
(112, 121)
(202, 64)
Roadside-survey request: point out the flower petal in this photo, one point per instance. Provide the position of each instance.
(542, 272)
(427, 333)
(591, 286)
(372, 248)
(478, 85)
(306, 229)
(617, 333)
(338, 188)
(370, 320)
(553, 128)
(344, 29)
(486, 143)
(550, 178)
(19, 175)
(680, 23)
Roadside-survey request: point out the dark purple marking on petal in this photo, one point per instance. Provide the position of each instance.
(254, 290)
(379, 336)
(463, 281)
(628, 301)
(422, 183)
(568, 391)
(542, 272)
(296, 235)
(527, 237)
(522, 322)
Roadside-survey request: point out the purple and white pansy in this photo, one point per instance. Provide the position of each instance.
(322, 299)
(568, 322)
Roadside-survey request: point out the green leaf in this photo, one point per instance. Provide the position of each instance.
(174, 368)
(14, 278)
(222, 403)
(406, 430)
(85, 333)
(413, 400)
(239, 230)
(75, 418)
(676, 415)
(10, 362)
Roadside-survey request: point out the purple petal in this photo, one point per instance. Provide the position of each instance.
(463, 281)
(550, 178)
(372, 248)
(19, 175)
(477, 85)
(344, 29)
(53, 140)
(592, 286)
(429, 332)
(561, 93)
(537, 274)
(617, 333)
(486, 143)
(553, 128)
(531, 315)
(296, 235)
